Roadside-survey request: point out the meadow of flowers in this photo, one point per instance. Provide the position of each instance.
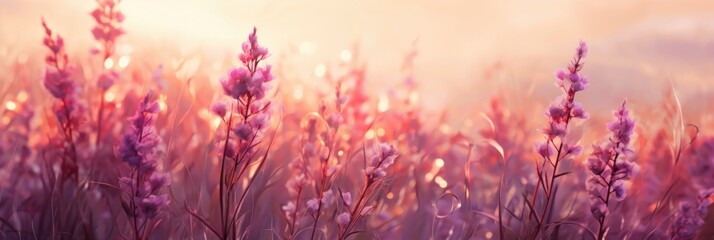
(93, 149)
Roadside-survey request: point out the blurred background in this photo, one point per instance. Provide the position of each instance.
(467, 50)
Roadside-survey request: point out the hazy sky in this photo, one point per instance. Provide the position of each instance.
(636, 46)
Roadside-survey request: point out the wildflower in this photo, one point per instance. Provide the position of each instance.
(137, 148)
(59, 83)
(544, 149)
(559, 114)
(689, 216)
(220, 109)
(289, 209)
(313, 205)
(343, 219)
(249, 82)
(107, 29)
(610, 167)
(334, 120)
(151, 205)
(107, 79)
(379, 163)
(328, 197)
(69, 108)
(243, 131)
(556, 130)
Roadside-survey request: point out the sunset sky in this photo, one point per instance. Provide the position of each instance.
(634, 44)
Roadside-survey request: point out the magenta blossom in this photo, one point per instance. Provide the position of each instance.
(610, 168)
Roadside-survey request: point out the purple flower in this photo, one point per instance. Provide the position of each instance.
(328, 197)
(252, 51)
(313, 205)
(610, 168)
(220, 109)
(556, 130)
(343, 219)
(137, 148)
(251, 80)
(544, 149)
(596, 165)
(689, 216)
(334, 120)
(151, 205)
(289, 209)
(107, 17)
(244, 131)
(623, 126)
(582, 50)
(579, 112)
(59, 83)
(386, 154)
(107, 79)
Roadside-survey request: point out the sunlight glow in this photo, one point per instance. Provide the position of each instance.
(320, 70)
(439, 162)
(109, 63)
(10, 105)
(383, 104)
(22, 96)
(346, 55)
(109, 97)
(124, 61)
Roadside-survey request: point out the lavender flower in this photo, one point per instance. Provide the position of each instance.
(247, 86)
(250, 82)
(343, 219)
(559, 114)
(690, 216)
(377, 167)
(107, 80)
(107, 29)
(610, 168)
(68, 108)
(313, 205)
(138, 149)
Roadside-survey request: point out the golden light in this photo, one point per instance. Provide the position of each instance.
(381, 132)
(390, 195)
(215, 122)
(441, 182)
(428, 176)
(439, 162)
(369, 135)
(320, 70)
(489, 235)
(10, 105)
(383, 103)
(109, 63)
(109, 97)
(297, 92)
(124, 61)
(162, 102)
(22, 96)
(346, 55)
(340, 153)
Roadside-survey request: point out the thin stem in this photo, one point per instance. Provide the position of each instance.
(222, 180)
(100, 115)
